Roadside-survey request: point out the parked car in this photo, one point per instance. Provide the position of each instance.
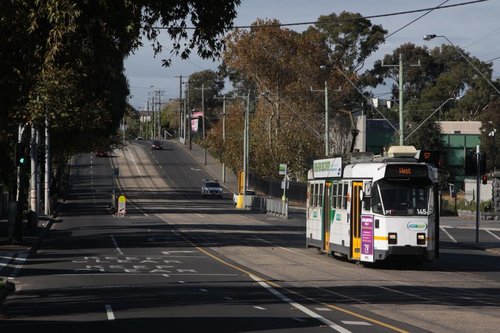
(156, 145)
(211, 188)
(248, 193)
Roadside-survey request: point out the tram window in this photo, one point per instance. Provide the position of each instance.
(344, 196)
(320, 195)
(339, 196)
(376, 203)
(315, 195)
(334, 195)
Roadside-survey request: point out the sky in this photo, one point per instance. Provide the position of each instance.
(474, 27)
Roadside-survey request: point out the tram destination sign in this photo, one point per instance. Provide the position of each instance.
(406, 171)
(328, 167)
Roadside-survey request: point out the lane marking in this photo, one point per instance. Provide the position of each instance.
(116, 245)
(448, 234)
(109, 312)
(259, 307)
(337, 308)
(21, 259)
(324, 309)
(199, 215)
(358, 323)
(488, 231)
(203, 290)
(296, 305)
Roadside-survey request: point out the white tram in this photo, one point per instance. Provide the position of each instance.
(374, 207)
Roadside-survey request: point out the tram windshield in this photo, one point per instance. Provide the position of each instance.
(395, 198)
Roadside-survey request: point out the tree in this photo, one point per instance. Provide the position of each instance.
(63, 59)
(282, 66)
(443, 87)
(490, 130)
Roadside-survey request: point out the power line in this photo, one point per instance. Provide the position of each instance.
(347, 20)
(415, 20)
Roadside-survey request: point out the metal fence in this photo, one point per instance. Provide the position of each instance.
(269, 205)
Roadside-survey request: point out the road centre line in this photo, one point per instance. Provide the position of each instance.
(337, 308)
(116, 245)
(298, 306)
(109, 312)
(267, 286)
(448, 234)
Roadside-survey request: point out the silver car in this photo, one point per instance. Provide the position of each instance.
(211, 188)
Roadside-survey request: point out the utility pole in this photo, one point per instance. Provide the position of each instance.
(34, 172)
(224, 98)
(160, 93)
(478, 189)
(180, 109)
(203, 120)
(325, 91)
(327, 120)
(401, 90)
(46, 205)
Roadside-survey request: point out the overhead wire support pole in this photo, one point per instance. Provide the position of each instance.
(180, 108)
(224, 98)
(401, 91)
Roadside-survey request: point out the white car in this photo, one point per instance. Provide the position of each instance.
(211, 188)
(249, 193)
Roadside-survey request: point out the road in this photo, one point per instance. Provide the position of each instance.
(179, 263)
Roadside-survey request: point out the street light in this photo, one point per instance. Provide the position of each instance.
(429, 37)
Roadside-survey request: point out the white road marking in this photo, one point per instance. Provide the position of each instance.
(488, 231)
(229, 298)
(259, 307)
(109, 312)
(203, 290)
(359, 323)
(448, 234)
(300, 307)
(182, 282)
(324, 309)
(199, 215)
(116, 245)
(21, 259)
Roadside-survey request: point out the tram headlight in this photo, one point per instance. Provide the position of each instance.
(421, 239)
(393, 238)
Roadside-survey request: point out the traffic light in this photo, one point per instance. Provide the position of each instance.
(21, 154)
(485, 179)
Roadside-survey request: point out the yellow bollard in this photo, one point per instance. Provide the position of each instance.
(240, 203)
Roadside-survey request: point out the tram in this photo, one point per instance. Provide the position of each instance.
(374, 207)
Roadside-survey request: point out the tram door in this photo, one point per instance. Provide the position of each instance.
(326, 217)
(356, 220)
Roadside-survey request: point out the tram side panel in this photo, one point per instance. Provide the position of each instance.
(314, 213)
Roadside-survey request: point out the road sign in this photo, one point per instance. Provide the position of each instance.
(121, 206)
(282, 169)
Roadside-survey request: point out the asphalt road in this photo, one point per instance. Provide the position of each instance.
(179, 263)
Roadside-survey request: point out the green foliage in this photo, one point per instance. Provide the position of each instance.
(287, 120)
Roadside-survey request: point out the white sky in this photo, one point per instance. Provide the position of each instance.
(473, 27)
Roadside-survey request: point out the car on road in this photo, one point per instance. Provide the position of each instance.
(248, 193)
(156, 145)
(211, 188)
